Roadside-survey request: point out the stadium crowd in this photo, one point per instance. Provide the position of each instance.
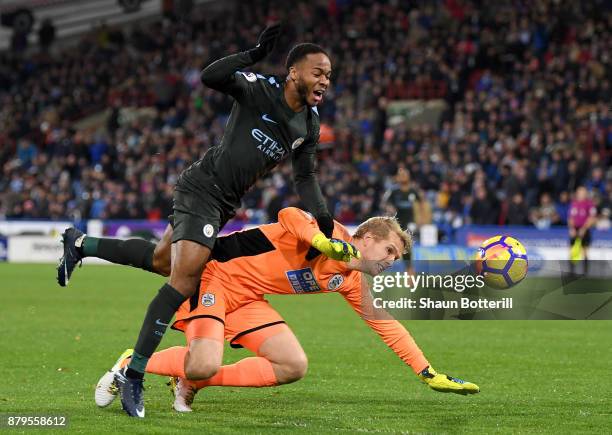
(526, 86)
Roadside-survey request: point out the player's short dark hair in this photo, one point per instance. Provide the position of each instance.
(300, 51)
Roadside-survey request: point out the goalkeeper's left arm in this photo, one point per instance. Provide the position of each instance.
(393, 333)
(390, 330)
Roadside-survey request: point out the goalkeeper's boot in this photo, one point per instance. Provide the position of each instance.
(447, 384)
(71, 256)
(106, 390)
(131, 391)
(184, 392)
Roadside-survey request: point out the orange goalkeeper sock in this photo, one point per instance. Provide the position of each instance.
(248, 372)
(168, 362)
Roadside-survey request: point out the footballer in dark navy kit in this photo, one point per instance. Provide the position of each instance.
(272, 119)
(404, 199)
(262, 130)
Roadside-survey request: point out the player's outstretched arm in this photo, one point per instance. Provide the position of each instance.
(398, 339)
(220, 75)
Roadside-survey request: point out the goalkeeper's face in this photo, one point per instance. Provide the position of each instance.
(378, 254)
(311, 76)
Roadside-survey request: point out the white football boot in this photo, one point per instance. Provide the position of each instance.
(106, 390)
(184, 392)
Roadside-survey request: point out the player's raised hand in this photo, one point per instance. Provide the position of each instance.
(267, 41)
(335, 249)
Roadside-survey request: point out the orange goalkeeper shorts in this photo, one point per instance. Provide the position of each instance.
(211, 302)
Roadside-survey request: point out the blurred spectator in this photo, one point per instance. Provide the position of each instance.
(423, 214)
(545, 214)
(526, 87)
(483, 209)
(562, 207)
(46, 34)
(604, 222)
(517, 210)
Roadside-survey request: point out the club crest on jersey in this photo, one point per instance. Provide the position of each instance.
(250, 76)
(335, 282)
(208, 299)
(296, 143)
(208, 230)
(303, 280)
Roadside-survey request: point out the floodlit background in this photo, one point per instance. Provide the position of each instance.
(498, 111)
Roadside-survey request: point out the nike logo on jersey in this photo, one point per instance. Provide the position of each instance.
(160, 323)
(266, 118)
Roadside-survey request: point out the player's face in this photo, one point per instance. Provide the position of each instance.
(312, 76)
(403, 176)
(379, 254)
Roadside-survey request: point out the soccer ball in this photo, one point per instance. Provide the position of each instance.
(502, 261)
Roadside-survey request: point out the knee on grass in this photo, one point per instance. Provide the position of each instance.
(292, 369)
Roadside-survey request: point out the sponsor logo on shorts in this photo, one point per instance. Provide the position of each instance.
(208, 230)
(303, 280)
(335, 282)
(208, 299)
(296, 143)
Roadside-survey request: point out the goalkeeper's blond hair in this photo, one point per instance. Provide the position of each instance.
(381, 226)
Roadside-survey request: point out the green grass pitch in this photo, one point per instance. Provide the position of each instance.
(535, 376)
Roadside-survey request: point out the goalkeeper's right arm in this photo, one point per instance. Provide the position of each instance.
(335, 249)
(305, 228)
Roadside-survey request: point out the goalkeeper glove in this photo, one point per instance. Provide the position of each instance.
(335, 249)
(265, 44)
(326, 225)
(447, 384)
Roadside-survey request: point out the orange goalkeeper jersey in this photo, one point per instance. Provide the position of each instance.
(271, 259)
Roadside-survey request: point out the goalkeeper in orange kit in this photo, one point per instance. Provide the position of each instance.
(271, 259)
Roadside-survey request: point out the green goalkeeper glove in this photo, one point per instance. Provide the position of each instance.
(334, 248)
